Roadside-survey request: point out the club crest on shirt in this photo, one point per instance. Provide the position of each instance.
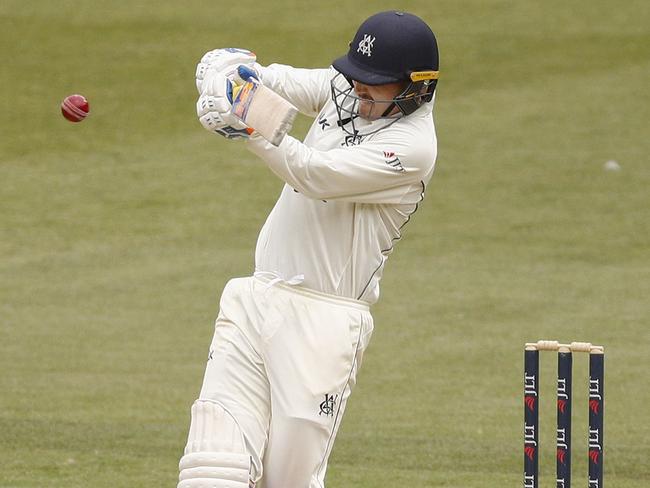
(328, 405)
(393, 161)
(352, 140)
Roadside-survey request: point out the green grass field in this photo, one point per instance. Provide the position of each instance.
(118, 234)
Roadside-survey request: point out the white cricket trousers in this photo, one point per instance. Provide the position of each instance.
(283, 362)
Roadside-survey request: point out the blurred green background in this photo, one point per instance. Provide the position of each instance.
(118, 234)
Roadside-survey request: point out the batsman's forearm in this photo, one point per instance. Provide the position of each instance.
(278, 160)
(358, 173)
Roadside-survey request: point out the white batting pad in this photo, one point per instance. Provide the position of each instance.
(215, 455)
(214, 470)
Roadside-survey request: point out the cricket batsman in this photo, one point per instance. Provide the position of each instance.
(289, 340)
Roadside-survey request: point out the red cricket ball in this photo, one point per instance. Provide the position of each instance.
(75, 108)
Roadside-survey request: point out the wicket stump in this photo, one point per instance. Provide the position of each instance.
(564, 404)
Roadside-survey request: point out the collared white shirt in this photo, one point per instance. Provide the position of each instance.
(346, 199)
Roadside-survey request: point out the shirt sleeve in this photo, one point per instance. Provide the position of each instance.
(386, 169)
(307, 89)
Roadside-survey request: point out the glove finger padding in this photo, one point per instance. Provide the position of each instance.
(222, 123)
(228, 53)
(217, 85)
(213, 122)
(208, 103)
(223, 60)
(213, 107)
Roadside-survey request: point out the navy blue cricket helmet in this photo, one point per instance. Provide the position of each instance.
(391, 47)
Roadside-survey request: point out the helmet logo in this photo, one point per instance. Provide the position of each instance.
(365, 45)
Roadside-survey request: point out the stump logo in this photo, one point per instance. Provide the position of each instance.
(530, 402)
(529, 452)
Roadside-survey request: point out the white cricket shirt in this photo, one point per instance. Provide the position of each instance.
(346, 198)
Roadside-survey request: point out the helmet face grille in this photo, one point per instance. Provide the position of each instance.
(347, 108)
(347, 103)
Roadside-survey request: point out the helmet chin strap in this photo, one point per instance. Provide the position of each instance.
(388, 111)
(342, 122)
(392, 106)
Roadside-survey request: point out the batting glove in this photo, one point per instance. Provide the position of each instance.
(214, 105)
(225, 61)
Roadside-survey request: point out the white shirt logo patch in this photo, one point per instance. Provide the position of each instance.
(393, 161)
(365, 45)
